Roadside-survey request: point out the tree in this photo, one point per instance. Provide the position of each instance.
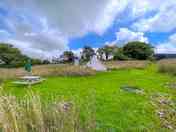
(36, 61)
(87, 53)
(107, 50)
(68, 56)
(138, 50)
(12, 57)
(119, 55)
(100, 53)
(45, 62)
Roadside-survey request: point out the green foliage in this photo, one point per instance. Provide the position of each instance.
(100, 53)
(119, 55)
(87, 53)
(12, 57)
(68, 56)
(138, 50)
(36, 61)
(46, 62)
(107, 51)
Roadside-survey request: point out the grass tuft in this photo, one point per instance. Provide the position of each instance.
(167, 66)
(127, 64)
(31, 115)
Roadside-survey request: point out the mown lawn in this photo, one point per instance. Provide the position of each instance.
(115, 110)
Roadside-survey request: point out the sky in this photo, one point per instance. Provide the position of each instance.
(45, 28)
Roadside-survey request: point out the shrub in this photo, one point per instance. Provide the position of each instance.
(87, 53)
(106, 51)
(12, 57)
(67, 57)
(167, 66)
(138, 50)
(119, 55)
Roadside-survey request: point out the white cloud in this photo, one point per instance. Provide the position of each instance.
(46, 26)
(34, 52)
(37, 38)
(46, 41)
(140, 8)
(39, 43)
(107, 16)
(162, 21)
(167, 47)
(78, 52)
(172, 39)
(125, 35)
(76, 17)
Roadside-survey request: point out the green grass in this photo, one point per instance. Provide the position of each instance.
(115, 110)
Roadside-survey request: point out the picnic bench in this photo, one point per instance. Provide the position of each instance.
(29, 80)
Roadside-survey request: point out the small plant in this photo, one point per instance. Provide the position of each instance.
(31, 115)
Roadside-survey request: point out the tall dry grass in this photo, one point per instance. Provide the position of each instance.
(127, 64)
(31, 115)
(167, 66)
(47, 70)
(68, 70)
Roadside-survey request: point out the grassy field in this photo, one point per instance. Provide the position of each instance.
(47, 70)
(115, 110)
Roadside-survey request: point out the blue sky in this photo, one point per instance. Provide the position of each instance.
(45, 28)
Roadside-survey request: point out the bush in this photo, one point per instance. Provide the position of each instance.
(119, 55)
(87, 53)
(67, 57)
(12, 57)
(46, 62)
(138, 50)
(167, 66)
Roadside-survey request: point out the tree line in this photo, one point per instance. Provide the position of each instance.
(130, 51)
(12, 57)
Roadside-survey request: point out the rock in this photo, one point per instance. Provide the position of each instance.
(65, 106)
